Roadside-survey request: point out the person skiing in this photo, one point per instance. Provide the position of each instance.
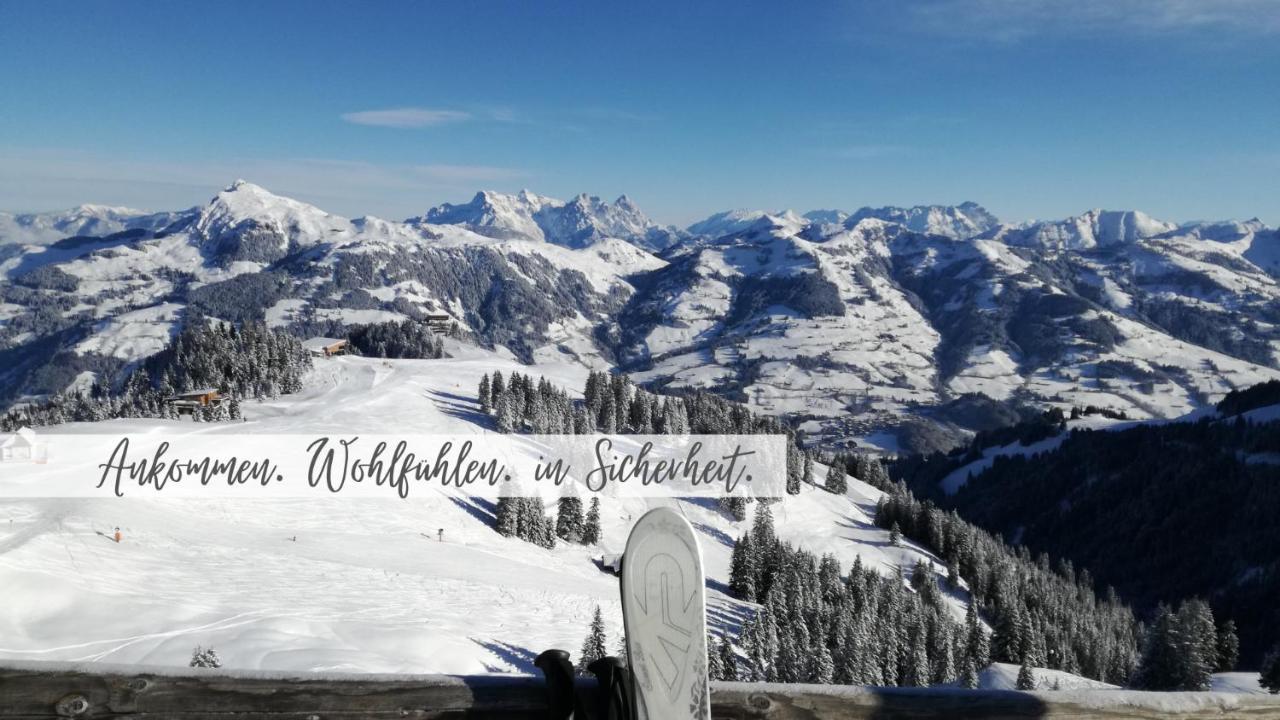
(117, 536)
(440, 535)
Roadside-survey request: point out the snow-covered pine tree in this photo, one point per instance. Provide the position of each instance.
(742, 569)
(486, 399)
(728, 659)
(569, 520)
(505, 411)
(715, 662)
(593, 647)
(977, 647)
(608, 421)
(836, 480)
(1269, 677)
(591, 527)
(735, 506)
(1200, 637)
(821, 667)
(203, 657)
(507, 515)
(1228, 647)
(795, 465)
(1026, 679)
(1161, 666)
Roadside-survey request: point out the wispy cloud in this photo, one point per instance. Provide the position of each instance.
(1014, 20)
(409, 117)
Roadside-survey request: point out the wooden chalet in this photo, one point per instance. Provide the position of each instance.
(187, 402)
(325, 347)
(439, 322)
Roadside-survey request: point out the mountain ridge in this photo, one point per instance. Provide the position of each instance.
(863, 330)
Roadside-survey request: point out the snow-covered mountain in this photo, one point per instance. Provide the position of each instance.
(85, 220)
(869, 329)
(737, 221)
(1096, 228)
(92, 307)
(574, 224)
(904, 329)
(958, 222)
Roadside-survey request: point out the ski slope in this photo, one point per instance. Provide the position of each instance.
(336, 584)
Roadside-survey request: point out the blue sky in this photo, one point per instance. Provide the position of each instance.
(1035, 108)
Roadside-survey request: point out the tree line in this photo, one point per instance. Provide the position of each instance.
(816, 625)
(251, 361)
(1163, 512)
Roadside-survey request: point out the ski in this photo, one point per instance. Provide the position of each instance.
(664, 611)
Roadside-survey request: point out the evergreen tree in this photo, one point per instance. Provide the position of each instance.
(203, 657)
(821, 667)
(508, 522)
(486, 400)
(1228, 647)
(895, 535)
(977, 648)
(1165, 659)
(591, 527)
(968, 674)
(742, 569)
(1269, 678)
(569, 521)
(1200, 654)
(505, 411)
(795, 466)
(715, 663)
(916, 671)
(593, 647)
(728, 659)
(1026, 679)
(837, 481)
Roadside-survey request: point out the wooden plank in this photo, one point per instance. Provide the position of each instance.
(44, 691)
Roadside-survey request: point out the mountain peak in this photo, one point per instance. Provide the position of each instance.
(248, 222)
(1090, 229)
(962, 221)
(574, 224)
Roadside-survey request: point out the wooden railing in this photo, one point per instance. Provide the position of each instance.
(49, 690)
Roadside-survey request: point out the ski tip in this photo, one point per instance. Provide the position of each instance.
(662, 521)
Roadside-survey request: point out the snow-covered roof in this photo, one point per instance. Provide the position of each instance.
(197, 391)
(320, 343)
(26, 435)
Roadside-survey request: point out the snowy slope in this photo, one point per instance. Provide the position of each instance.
(360, 588)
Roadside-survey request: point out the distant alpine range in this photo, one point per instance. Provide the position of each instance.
(900, 329)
